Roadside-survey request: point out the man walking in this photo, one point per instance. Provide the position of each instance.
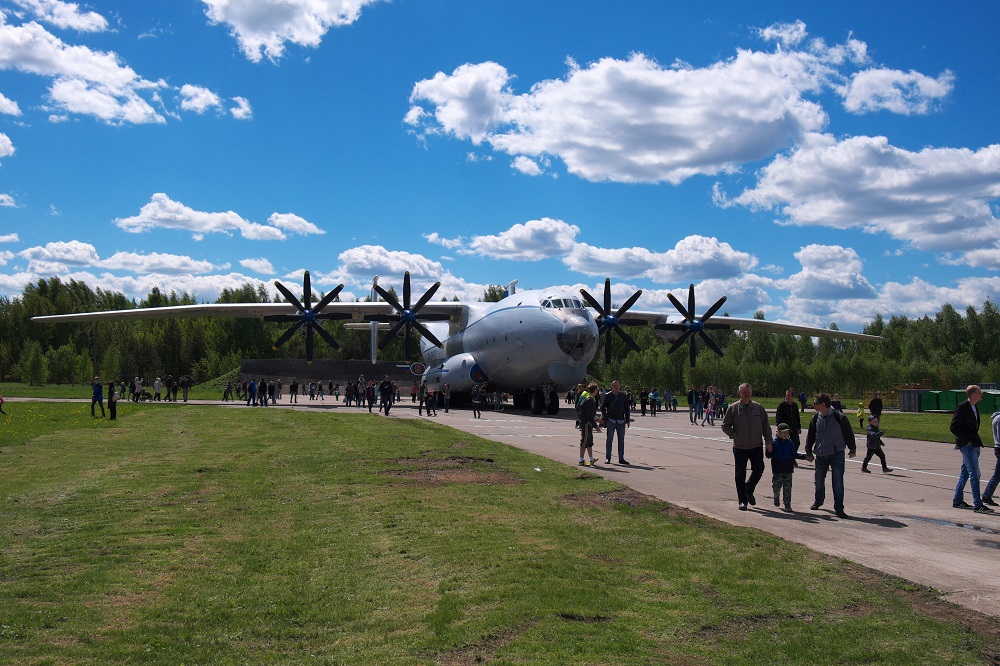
(746, 424)
(97, 396)
(965, 428)
(617, 416)
(994, 481)
(829, 435)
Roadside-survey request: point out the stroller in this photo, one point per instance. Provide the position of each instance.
(145, 396)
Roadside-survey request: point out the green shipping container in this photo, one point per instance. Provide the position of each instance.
(947, 400)
(929, 401)
(990, 402)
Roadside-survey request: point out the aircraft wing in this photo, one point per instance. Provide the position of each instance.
(356, 310)
(743, 324)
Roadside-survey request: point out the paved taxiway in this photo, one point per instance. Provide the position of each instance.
(901, 523)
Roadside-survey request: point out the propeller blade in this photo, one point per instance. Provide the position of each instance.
(592, 302)
(289, 296)
(711, 344)
(406, 344)
(334, 315)
(286, 336)
(669, 326)
(607, 349)
(691, 309)
(712, 310)
(388, 298)
(382, 318)
(306, 290)
(628, 339)
(629, 303)
(427, 334)
(694, 352)
(435, 317)
(388, 337)
(631, 322)
(328, 298)
(677, 304)
(326, 336)
(309, 344)
(282, 318)
(607, 294)
(679, 342)
(426, 297)
(406, 291)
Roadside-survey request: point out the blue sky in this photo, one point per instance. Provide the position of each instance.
(822, 162)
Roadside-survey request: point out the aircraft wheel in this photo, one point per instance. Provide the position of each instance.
(553, 407)
(537, 402)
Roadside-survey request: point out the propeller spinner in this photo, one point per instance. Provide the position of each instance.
(608, 321)
(307, 316)
(692, 325)
(406, 317)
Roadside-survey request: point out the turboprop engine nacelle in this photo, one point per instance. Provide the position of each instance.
(461, 371)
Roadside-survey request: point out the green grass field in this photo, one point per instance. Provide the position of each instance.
(210, 535)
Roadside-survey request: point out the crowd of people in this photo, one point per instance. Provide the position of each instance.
(829, 440)
(829, 435)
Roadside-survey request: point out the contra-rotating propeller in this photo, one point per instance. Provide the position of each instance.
(608, 321)
(307, 316)
(406, 317)
(693, 324)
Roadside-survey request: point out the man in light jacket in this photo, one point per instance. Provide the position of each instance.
(746, 424)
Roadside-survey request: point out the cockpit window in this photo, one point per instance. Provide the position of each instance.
(563, 303)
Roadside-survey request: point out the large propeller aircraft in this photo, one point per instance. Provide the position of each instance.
(532, 344)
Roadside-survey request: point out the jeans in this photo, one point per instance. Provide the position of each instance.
(616, 426)
(995, 479)
(835, 464)
(970, 472)
(744, 486)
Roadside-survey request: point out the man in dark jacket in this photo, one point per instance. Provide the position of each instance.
(829, 436)
(965, 428)
(617, 416)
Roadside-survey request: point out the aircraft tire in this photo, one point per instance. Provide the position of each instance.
(537, 402)
(553, 407)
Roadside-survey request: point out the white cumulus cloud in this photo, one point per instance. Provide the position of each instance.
(262, 27)
(937, 199)
(163, 212)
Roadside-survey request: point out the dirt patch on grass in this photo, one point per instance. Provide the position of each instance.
(483, 652)
(450, 470)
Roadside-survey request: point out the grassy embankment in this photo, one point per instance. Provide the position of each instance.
(199, 534)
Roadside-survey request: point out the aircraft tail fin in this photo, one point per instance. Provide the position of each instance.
(510, 289)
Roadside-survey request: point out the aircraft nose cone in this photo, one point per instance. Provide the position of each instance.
(577, 337)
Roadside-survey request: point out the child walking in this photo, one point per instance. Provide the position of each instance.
(874, 446)
(782, 455)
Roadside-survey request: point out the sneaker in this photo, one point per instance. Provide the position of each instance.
(588, 464)
(608, 461)
(580, 463)
(866, 470)
(787, 509)
(622, 462)
(841, 514)
(593, 461)
(886, 470)
(751, 499)
(961, 505)
(777, 500)
(743, 507)
(989, 500)
(984, 509)
(814, 507)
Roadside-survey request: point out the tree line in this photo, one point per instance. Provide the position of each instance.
(947, 350)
